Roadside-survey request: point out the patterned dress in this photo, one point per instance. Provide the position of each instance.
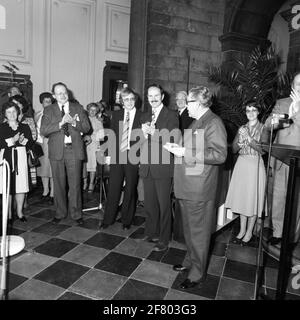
(247, 186)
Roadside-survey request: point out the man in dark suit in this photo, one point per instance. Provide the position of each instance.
(184, 119)
(124, 124)
(195, 181)
(157, 166)
(63, 123)
(184, 122)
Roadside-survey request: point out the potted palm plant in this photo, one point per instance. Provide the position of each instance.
(255, 78)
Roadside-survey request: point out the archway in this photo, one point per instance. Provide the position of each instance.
(246, 25)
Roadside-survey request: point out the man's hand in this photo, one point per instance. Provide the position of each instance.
(275, 119)
(87, 140)
(16, 137)
(68, 119)
(21, 138)
(107, 160)
(295, 95)
(148, 129)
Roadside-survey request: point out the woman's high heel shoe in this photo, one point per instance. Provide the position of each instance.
(23, 219)
(245, 243)
(237, 240)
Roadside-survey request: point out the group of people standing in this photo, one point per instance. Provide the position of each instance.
(176, 153)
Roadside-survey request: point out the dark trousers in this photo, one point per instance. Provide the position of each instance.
(117, 174)
(157, 204)
(197, 218)
(67, 168)
(177, 222)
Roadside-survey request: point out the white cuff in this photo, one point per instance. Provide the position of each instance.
(10, 142)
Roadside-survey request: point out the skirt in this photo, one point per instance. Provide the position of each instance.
(247, 186)
(19, 183)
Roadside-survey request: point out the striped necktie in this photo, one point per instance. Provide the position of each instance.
(124, 142)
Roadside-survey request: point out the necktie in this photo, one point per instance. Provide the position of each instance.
(153, 118)
(65, 125)
(124, 142)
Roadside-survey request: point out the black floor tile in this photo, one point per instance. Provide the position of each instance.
(137, 232)
(62, 273)
(271, 294)
(157, 256)
(104, 240)
(240, 271)
(46, 214)
(51, 229)
(72, 296)
(218, 248)
(91, 223)
(270, 262)
(138, 290)
(208, 289)
(138, 220)
(118, 263)
(13, 280)
(174, 256)
(55, 247)
(12, 231)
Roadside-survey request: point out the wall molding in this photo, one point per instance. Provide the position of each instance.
(117, 16)
(89, 7)
(21, 54)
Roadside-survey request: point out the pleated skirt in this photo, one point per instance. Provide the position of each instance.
(247, 186)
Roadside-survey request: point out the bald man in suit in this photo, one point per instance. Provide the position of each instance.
(63, 123)
(196, 173)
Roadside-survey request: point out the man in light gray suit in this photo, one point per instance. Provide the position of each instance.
(288, 134)
(63, 123)
(196, 179)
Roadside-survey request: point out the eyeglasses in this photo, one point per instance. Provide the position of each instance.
(189, 101)
(249, 111)
(128, 99)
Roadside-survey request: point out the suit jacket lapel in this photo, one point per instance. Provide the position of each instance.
(135, 123)
(56, 111)
(160, 121)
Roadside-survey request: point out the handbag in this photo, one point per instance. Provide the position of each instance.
(35, 152)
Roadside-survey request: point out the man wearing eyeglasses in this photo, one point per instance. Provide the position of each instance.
(195, 181)
(123, 166)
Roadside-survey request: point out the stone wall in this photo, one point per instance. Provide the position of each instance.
(176, 30)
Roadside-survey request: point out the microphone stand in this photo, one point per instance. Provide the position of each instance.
(4, 242)
(263, 216)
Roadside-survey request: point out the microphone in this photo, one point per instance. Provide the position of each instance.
(281, 115)
(282, 118)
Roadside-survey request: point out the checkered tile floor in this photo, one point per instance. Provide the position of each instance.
(70, 262)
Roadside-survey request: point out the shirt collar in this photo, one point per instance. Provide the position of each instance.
(66, 105)
(181, 110)
(157, 110)
(202, 113)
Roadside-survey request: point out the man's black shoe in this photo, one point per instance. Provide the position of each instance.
(79, 221)
(274, 240)
(103, 225)
(179, 267)
(187, 284)
(56, 220)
